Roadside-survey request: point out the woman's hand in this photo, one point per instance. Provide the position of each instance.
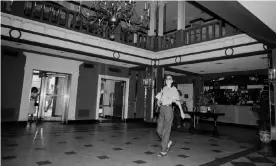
(159, 103)
(181, 110)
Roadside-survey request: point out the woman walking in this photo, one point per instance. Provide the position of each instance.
(166, 97)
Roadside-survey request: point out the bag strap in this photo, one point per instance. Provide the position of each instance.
(161, 93)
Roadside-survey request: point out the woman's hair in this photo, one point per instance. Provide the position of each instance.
(34, 90)
(174, 84)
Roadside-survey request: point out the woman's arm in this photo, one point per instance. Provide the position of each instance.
(177, 101)
(180, 108)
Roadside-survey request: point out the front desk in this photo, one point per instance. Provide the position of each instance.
(236, 114)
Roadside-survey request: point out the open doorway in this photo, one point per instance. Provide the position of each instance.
(53, 99)
(112, 98)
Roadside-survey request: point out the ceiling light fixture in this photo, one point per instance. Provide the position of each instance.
(105, 16)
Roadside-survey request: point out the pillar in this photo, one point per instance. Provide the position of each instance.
(159, 84)
(272, 91)
(198, 83)
(159, 79)
(152, 26)
(181, 14)
(161, 18)
(180, 22)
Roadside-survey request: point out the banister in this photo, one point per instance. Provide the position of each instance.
(57, 15)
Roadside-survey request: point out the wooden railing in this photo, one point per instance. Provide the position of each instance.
(206, 32)
(60, 16)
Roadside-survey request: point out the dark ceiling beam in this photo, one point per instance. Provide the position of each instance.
(237, 15)
(181, 71)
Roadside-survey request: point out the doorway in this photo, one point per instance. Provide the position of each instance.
(112, 98)
(54, 95)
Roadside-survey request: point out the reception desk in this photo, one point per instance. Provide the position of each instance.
(236, 114)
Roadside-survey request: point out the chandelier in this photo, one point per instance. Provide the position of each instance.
(105, 16)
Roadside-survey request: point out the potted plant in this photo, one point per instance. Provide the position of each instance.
(203, 102)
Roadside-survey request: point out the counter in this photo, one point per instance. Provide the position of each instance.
(236, 114)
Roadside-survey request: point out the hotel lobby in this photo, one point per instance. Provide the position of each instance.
(98, 65)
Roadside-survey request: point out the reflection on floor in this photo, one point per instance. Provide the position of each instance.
(121, 144)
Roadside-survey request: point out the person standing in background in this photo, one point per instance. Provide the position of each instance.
(32, 105)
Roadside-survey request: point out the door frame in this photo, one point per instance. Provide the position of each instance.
(43, 96)
(35, 61)
(125, 106)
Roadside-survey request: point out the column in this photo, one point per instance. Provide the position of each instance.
(181, 15)
(159, 84)
(180, 22)
(161, 16)
(159, 79)
(198, 83)
(272, 91)
(153, 6)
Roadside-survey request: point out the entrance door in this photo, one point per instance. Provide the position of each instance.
(54, 95)
(118, 99)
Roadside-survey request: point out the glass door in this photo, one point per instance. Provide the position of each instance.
(54, 96)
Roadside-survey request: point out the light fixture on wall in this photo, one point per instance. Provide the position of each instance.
(148, 81)
(107, 15)
(272, 75)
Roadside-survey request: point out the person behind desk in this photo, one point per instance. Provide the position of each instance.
(166, 97)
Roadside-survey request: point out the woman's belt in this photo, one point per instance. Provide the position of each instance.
(167, 105)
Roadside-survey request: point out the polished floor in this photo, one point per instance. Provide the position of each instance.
(129, 144)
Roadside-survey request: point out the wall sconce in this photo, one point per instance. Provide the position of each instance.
(272, 75)
(148, 81)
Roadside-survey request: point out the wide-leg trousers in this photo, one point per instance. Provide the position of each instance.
(164, 124)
